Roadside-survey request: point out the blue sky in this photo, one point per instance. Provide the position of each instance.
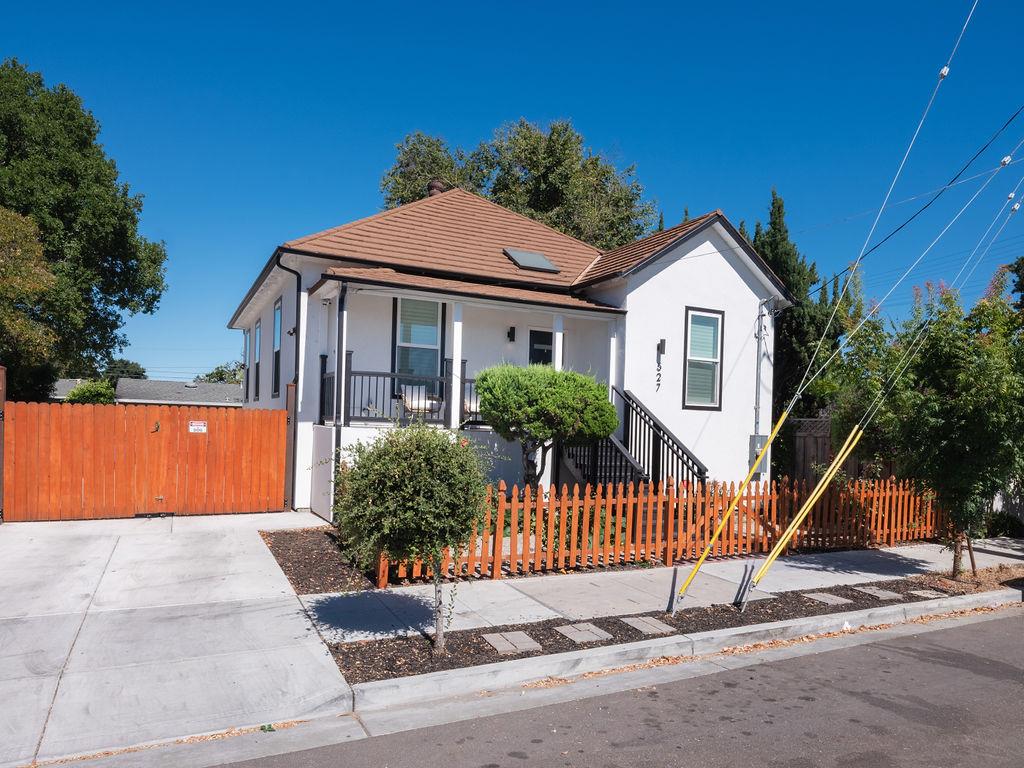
(246, 125)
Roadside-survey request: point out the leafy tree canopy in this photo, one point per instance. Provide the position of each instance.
(98, 391)
(25, 338)
(227, 373)
(955, 418)
(546, 174)
(53, 168)
(537, 404)
(120, 367)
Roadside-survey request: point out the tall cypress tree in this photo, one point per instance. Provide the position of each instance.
(797, 328)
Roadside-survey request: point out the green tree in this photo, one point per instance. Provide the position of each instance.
(955, 418)
(661, 221)
(537, 405)
(546, 174)
(99, 391)
(26, 340)
(227, 373)
(410, 494)
(120, 367)
(53, 168)
(1016, 271)
(798, 328)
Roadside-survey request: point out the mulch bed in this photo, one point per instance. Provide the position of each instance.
(370, 660)
(314, 561)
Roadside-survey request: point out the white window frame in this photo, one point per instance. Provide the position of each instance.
(412, 345)
(277, 325)
(719, 316)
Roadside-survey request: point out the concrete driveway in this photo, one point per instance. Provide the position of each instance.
(121, 632)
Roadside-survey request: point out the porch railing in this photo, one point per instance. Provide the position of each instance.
(470, 403)
(379, 396)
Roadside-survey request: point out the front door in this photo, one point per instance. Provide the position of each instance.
(541, 345)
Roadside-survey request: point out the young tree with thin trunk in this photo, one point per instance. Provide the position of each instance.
(411, 493)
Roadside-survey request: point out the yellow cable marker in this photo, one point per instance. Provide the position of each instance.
(795, 522)
(735, 501)
(851, 442)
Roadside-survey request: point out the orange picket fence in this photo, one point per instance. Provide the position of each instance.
(66, 461)
(538, 531)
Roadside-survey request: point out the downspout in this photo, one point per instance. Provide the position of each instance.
(296, 380)
(340, 345)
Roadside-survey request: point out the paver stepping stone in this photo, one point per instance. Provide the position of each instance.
(881, 594)
(508, 643)
(583, 633)
(648, 625)
(825, 597)
(929, 593)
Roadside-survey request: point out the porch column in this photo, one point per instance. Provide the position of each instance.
(556, 336)
(613, 355)
(455, 407)
(340, 350)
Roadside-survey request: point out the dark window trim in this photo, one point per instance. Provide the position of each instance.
(276, 343)
(257, 342)
(721, 355)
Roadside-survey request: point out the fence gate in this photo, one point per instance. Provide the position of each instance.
(80, 462)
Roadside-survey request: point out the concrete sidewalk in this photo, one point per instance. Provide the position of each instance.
(119, 632)
(408, 610)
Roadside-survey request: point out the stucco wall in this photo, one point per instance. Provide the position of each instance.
(704, 272)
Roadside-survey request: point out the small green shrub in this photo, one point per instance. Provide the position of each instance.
(411, 493)
(537, 405)
(97, 391)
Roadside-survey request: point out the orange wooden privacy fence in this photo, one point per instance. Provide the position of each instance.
(72, 462)
(535, 531)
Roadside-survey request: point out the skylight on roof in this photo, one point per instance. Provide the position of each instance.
(532, 260)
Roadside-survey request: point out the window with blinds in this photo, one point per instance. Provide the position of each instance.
(703, 374)
(419, 338)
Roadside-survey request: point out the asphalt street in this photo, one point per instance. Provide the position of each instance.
(947, 697)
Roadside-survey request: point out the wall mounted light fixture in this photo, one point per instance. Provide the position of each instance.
(511, 333)
(661, 346)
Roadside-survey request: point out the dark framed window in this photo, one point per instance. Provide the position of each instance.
(245, 362)
(257, 339)
(542, 347)
(276, 381)
(702, 367)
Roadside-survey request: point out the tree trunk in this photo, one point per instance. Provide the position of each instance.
(958, 555)
(529, 463)
(438, 612)
(970, 551)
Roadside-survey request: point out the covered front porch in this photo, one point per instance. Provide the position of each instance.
(398, 349)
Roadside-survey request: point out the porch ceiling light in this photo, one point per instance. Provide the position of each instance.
(532, 260)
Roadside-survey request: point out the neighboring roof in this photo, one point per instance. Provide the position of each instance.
(385, 276)
(455, 232)
(633, 256)
(177, 392)
(62, 386)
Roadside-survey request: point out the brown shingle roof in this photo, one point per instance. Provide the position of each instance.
(455, 232)
(625, 257)
(386, 276)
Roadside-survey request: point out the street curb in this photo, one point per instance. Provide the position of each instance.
(382, 694)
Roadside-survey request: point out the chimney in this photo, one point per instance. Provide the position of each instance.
(436, 187)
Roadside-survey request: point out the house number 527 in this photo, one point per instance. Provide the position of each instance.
(657, 377)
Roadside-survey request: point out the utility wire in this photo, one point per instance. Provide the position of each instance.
(939, 193)
(943, 73)
(849, 337)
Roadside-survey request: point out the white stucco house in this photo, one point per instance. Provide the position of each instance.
(369, 319)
